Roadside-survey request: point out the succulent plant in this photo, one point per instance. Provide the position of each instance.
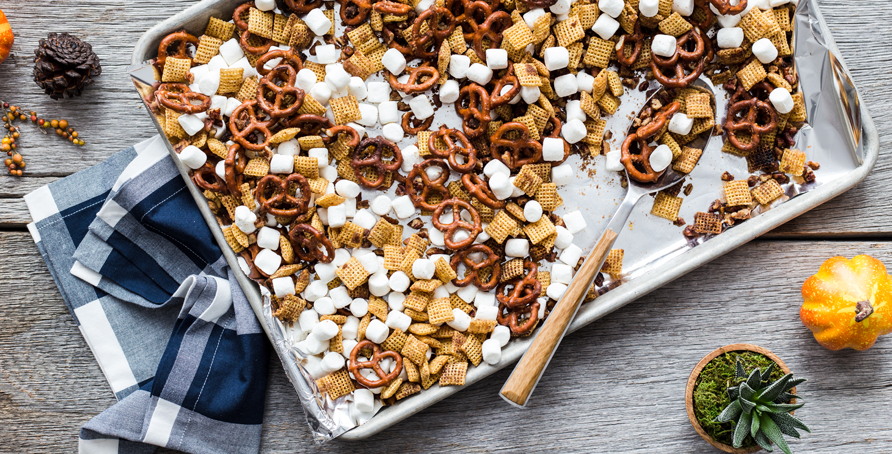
(761, 408)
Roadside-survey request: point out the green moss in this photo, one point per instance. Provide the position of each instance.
(711, 396)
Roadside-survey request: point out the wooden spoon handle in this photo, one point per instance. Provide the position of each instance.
(526, 374)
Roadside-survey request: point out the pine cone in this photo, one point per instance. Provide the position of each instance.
(65, 65)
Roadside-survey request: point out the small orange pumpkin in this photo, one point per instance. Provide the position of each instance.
(6, 37)
(848, 303)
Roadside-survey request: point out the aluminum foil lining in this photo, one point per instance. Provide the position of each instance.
(833, 140)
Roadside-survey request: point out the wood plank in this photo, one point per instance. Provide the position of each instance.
(614, 386)
(110, 117)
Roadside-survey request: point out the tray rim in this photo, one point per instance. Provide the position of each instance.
(611, 301)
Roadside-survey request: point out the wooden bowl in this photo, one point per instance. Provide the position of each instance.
(689, 390)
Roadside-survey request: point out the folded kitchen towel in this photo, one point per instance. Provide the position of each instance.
(157, 304)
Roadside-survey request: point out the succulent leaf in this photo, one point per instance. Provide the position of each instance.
(785, 408)
(786, 397)
(730, 412)
(746, 392)
(794, 382)
(789, 419)
(746, 405)
(754, 426)
(766, 376)
(763, 442)
(765, 408)
(775, 389)
(742, 429)
(739, 372)
(754, 380)
(770, 429)
(733, 393)
(785, 425)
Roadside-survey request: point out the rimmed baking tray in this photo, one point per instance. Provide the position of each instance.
(832, 101)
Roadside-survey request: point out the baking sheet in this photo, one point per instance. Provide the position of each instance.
(845, 145)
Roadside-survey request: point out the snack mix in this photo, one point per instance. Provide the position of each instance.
(396, 266)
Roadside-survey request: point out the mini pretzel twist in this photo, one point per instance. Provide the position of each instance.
(660, 119)
(419, 177)
(512, 318)
(389, 7)
(243, 123)
(457, 223)
(509, 79)
(335, 131)
(524, 289)
(473, 105)
(474, 268)
(724, 7)
(749, 122)
(179, 97)
(457, 144)
(533, 4)
(640, 160)
(309, 124)
(678, 61)
(375, 364)
(493, 28)
(519, 151)
(362, 160)
(243, 26)
(275, 198)
(281, 94)
(708, 17)
(478, 188)
(413, 85)
(302, 6)
(636, 41)
(396, 40)
(202, 175)
(355, 12)
(288, 58)
(307, 248)
(234, 166)
(440, 26)
(469, 14)
(412, 125)
(181, 40)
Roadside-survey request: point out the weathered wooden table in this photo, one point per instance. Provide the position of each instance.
(615, 386)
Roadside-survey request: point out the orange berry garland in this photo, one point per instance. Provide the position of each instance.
(14, 162)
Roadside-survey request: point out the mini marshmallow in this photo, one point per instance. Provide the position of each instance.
(564, 238)
(394, 61)
(683, 7)
(496, 58)
(349, 330)
(782, 101)
(314, 291)
(574, 222)
(574, 131)
(517, 247)
(531, 16)
(492, 352)
(532, 211)
(495, 166)
(423, 269)
(283, 286)
(315, 346)
(191, 124)
(421, 106)
(605, 26)
(379, 284)
(325, 330)
(555, 291)
(437, 237)
(730, 38)
(381, 205)
(231, 51)
(308, 319)
(209, 83)
(321, 92)
(484, 299)
(231, 105)
(500, 185)
(347, 188)
(337, 216)
(460, 322)
(377, 332)
(561, 273)
(530, 94)
(281, 164)
(318, 23)
(267, 261)
(399, 281)
(218, 103)
(321, 155)
(364, 400)
(330, 173)
(337, 76)
(245, 219)
(247, 68)
(664, 45)
(424, 5)
(761, 4)
(562, 174)
(449, 91)
(220, 169)
(393, 132)
(681, 124)
(327, 54)
(612, 7)
(217, 63)
(341, 257)
(378, 92)
(479, 73)
(359, 307)
(369, 114)
(192, 157)
(340, 297)
(586, 82)
(566, 85)
(459, 65)
(357, 88)
(411, 156)
(360, 129)
(325, 306)
(395, 301)
(306, 78)
(268, 238)
(326, 272)
(614, 163)
(403, 207)
(486, 313)
(388, 112)
(332, 361)
(552, 149)
(571, 255)
(661, 158)
(501, 334)
(649, 8)
(763, 49)
(467, 294)
(365, 219)
(728, 21)
(398, 320)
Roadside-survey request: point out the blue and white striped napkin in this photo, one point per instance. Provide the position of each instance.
(157, 304)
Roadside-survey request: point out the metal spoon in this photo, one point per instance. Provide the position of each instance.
(520, 385)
